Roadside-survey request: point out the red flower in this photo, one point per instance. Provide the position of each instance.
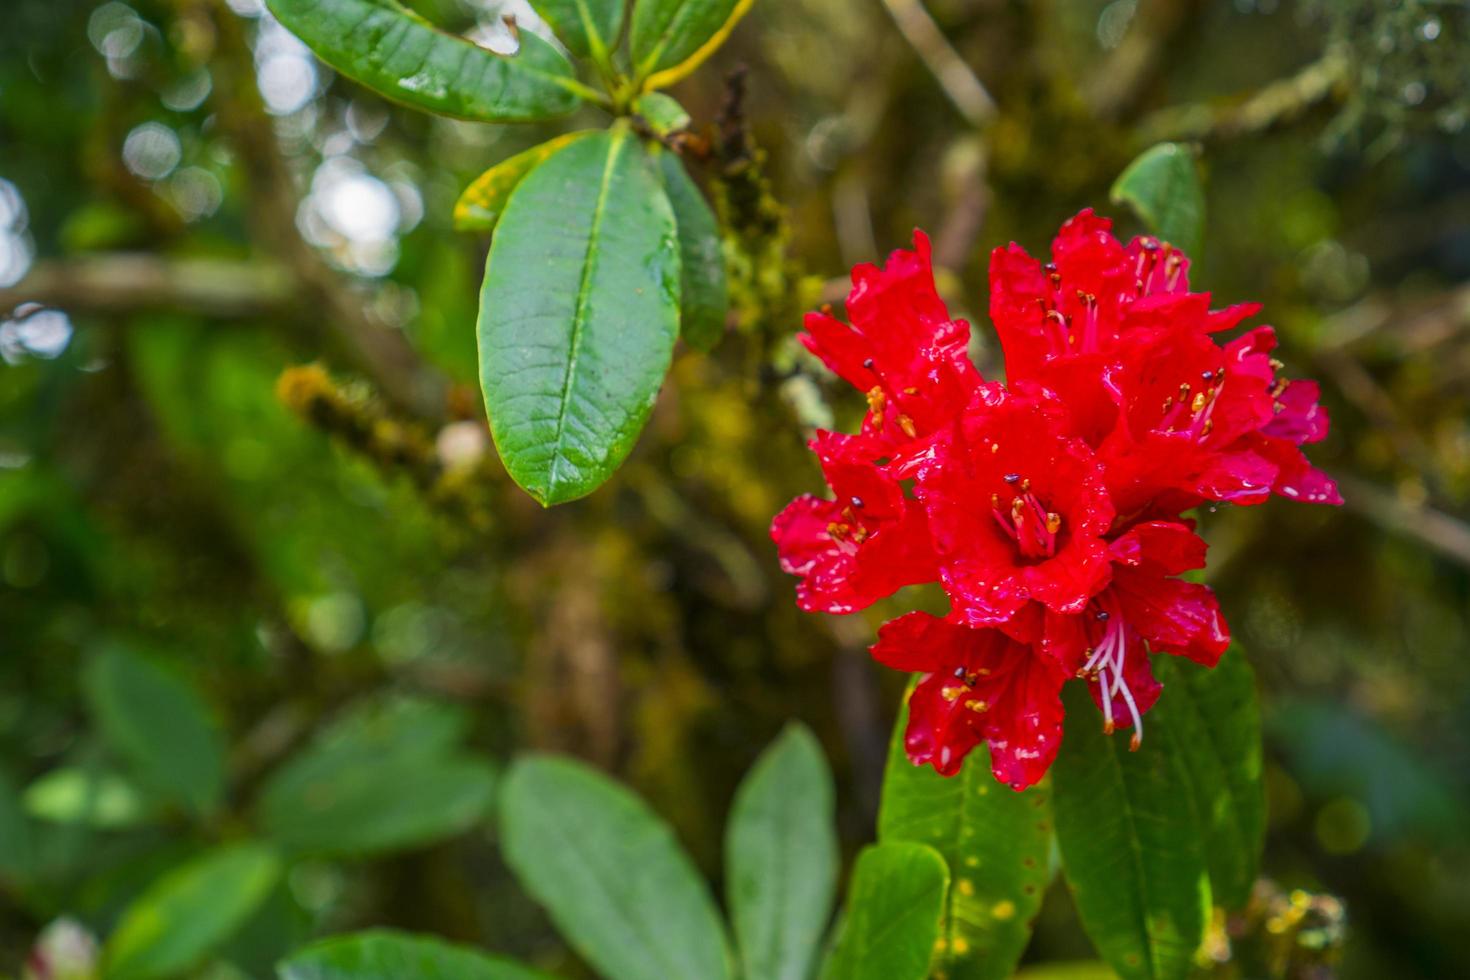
(1064, 324)
(1143, 609)
(979, 685)
(1017, 509)
(1049, 507)
(868, 542)
(902, 349)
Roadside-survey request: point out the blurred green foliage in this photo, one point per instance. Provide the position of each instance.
(340, 580)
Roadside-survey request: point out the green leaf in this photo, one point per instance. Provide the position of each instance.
(704, 299)
(186, 914)
(1213, 719)
(996, 842)
(1076, 970)
(383, 776)
(482, 203)
(615, 880)
(381, 954)
(894, 907)
(578, 314)
(671, 38)
(782, 859)
(398, 54)
(1163, 186)
(1130, 845)
(371, 733)
(586, 27)
(16, 839)
(159, 726)
(376, 807)
(663, 113)
(98, 799)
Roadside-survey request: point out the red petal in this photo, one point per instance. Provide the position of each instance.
(1176, 617)
(921, 643)
(1024, 725)
(1169, 547)
(1301, 419)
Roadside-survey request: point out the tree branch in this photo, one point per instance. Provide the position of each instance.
(1277, 104)
(1434, 529)
(964, 89)
(128, 282)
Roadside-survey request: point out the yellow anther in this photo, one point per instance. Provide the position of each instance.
(876, 401)
(1053, 522)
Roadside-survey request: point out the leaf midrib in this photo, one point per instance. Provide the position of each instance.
(1221, 757)
(1137, 853)
(393, 7)
(657, 51)
(633, 925)
(579, 315)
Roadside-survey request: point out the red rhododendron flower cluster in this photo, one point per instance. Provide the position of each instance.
(1048, 507)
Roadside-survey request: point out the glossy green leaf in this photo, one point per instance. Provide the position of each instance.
(671, 38)
(96, 798)
(892, 922)
(1163, 186)
(996, 842)
(578, 314)
(704, 299)
(1130, 843)
(586, 27)
(1214, 721)
(398, 54)
(186, 914)
(615, 880)
(663, 113)
(159, 726)
(782, 859)
(483, 202)
(376, 807)
(381, 954)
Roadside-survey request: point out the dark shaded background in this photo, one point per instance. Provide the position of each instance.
(189, 240)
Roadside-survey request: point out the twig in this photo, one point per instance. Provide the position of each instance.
(1417, 326)
(1435, 529)
(964, 89)
(1359, 387)
(462, 489)
(126, 282)
(1276, 105)
(968, 195)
